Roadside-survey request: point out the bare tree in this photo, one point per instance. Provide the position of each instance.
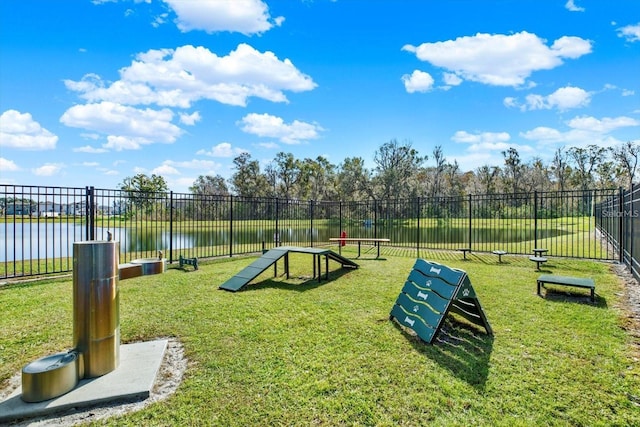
(586, 161)
(560, 168)
(627, 156)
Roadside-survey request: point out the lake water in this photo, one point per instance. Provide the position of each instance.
(49, 240)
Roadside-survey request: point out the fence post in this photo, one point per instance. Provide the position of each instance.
(535, 218)
(621, 241)
(375, 218)
(470, 219)
(90, 202)
(311, 214)
(277, 232)
(419, 210)
(339, 218)
(230, 226)
(170, 227)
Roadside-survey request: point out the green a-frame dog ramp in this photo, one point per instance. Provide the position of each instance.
(430, 293)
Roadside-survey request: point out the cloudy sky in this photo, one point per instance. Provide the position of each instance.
(94, 91)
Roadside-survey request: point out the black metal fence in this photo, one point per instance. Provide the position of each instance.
(619, 220)
(40, 224)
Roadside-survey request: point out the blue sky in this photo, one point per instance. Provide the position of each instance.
(92, 92)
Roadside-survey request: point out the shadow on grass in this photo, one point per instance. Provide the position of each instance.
(294, 283)
(562, 295)
(462, 349)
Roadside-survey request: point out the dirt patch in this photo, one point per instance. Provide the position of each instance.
(630, 306)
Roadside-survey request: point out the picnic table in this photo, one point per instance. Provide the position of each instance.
(374, 240)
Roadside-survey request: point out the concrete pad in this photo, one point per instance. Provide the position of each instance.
(132, 380)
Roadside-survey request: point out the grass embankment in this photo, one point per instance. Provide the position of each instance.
(295, 352)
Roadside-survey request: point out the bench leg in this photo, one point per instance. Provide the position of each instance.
(593, 295)
(539, 284)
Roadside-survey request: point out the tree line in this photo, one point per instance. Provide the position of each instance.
(401, 172)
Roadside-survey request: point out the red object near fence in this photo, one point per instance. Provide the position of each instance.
(343, 235)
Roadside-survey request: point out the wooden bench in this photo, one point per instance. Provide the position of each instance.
(579, 282)
(376, 242)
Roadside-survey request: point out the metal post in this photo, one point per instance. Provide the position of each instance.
(230, 226)
(621, 241)
(418, 230)
(535, 219)
(170, 227)
(470, 219)
(311, 215)
(277, 232)
(96, 324)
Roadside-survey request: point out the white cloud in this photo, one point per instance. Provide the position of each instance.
(452, 79)
(630, 32)
(418, 81)
(485, 148)
(500, 60)
(583, 131)
(7, 165)
(483, 142)
(563, 99)
(266, 125)
(243, 16)
(480, 138)
(604, 125)
(179, 77)
(572, 7)
(127, 127)
(268, 145)
(191, 164)
(224, 149)
(19, 130)
(89, 149)
(165, 170)
(48, 169)
(190, 119)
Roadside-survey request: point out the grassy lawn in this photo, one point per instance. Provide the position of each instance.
(295, 352)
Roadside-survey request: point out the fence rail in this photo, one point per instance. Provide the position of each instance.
(40, 224)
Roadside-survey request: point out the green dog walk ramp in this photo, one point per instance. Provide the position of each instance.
(269, 258)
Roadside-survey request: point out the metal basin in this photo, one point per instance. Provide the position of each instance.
(151, 265)
(50, 376)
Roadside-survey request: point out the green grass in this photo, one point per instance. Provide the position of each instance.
(295, 352)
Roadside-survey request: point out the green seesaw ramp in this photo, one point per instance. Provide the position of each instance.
(253, 270)
(431, 292)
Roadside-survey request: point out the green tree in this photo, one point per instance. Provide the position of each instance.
(144, 191)
(317, 179)
(397, 166)
(210, 186)
(287, 173)
(354, 180)
(512, 171)
(247, 180)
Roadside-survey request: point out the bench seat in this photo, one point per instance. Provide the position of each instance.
(579, 282)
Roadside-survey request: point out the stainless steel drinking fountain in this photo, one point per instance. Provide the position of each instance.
(96, 326)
